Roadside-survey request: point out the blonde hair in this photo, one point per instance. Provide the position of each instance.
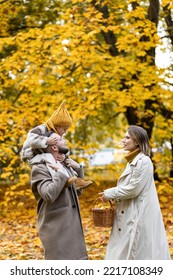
(140, 136)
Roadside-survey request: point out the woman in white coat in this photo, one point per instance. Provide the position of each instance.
(138, 232)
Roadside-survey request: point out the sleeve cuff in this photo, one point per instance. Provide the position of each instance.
(111, 194)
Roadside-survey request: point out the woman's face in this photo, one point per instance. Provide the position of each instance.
(129, 144)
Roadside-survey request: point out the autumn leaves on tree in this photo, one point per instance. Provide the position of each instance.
(98, 55)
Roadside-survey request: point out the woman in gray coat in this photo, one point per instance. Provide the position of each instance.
(138, 232)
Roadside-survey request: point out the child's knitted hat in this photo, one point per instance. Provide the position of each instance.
(60, 118)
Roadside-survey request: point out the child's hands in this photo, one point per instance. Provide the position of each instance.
(71, 163)
(52, 141)
(60, 157)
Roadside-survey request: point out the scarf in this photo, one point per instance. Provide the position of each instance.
(131, 155)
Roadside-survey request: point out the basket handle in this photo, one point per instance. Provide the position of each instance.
(111, 205)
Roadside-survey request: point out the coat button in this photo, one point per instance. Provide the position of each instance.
(122, 212)
(119, 229)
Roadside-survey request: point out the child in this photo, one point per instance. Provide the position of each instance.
(32, 150)
(59, 122)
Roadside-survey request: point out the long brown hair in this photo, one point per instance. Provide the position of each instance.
(139, 135)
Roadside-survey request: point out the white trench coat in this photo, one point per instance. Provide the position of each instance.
(138, 232)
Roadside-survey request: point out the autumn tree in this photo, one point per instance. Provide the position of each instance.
(98, 55)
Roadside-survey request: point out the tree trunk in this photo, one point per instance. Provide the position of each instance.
(109, 36)
(147, 121)
(169, 22)
(171, 167)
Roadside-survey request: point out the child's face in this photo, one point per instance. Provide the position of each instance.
(61, 130)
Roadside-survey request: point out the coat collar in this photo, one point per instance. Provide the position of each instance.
(135, 160)
(131, 155)
(128, 169)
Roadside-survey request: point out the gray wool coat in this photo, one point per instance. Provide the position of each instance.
(59, 221)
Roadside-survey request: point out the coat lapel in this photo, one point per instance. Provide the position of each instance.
(128, 168)
(126, 171)
(135, 160)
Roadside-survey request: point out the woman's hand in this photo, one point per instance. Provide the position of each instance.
(102, 197)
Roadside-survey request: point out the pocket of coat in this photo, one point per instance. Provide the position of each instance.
(59, 206)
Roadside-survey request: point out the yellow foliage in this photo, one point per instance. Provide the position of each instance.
(65, 53)
(167, 2)
(16, 244)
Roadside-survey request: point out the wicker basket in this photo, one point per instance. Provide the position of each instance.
(103, 217)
